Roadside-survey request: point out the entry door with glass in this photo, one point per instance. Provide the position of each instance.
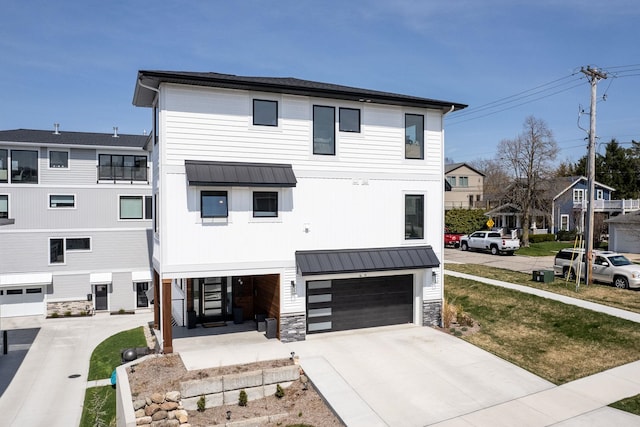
(101, 297)
(213, 293)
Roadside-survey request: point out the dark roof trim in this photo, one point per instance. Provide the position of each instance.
(239, 174)
(453, 166)
(144, 96)
(49, 137)
(361, 260)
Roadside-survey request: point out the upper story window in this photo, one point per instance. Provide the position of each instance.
(451, 180)
(4, 161)
(4, 206)
(578, 195)
(117, 167)
(58, 159)
(62, 201)
(135, 207)
(24, 166)
(414, 216)
(413, 136)
(463, 181)
(349, 120)
(599, 194)
(265, 204)
(324, 133)
(265, 113)
(214, 204)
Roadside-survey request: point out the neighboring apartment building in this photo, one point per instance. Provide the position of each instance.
(75, 222)
(466, 185)
(314, 205)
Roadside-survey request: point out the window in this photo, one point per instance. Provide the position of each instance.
(564, 222)
(14, 291)
(414, 216)
(56, 251)
(119, 167)
(463, 181)
(452, 180)
(4, 161)
(324, 135)
(34, 290)
(58, 159)
(141, 294)
(78, 244)
(214, 204)
(349, 120)
(62, 201)
(135, 207)
(599, 194)
(413, 136)
(24, 166)
(265, 204)
(578, 195)
(4, 206)
(265, 113)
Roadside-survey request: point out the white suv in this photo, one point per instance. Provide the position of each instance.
(607, 267)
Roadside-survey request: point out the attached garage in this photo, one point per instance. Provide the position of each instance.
(344, 303)
(23, 294)
(624, 232)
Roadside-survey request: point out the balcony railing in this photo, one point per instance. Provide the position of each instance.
(626, 205)
(118, 174)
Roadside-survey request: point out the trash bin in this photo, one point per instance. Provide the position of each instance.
(191, 319)
(238, 315)
(261, 326)
(272, 325)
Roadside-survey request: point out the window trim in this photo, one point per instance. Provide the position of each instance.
(214, 193)
(423, 197)
(113, 175)
(269, 101)
(463, 181)
(64, 258)
(406, 144)
(146, 216)
(67, 151)
(274, 214)
(66, 247)
(581, 192)
(5, 167)
(61, 207)
(313, 131)
(563, 217)
(340, 110)
(599, 194)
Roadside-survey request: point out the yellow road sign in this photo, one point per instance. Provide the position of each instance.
(490, 223)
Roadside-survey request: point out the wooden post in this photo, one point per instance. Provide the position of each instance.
(156, 300)
(166, 328)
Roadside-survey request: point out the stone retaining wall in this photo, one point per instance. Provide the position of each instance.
(432, 313)
(293, 328)
(69, 308)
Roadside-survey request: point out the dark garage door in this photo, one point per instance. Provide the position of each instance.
(338, 305)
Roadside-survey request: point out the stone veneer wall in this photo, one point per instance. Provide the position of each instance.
(432, 313)
(293, 327)
(73, 308)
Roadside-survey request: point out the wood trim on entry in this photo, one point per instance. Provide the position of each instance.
(156, 300)
(167, 333)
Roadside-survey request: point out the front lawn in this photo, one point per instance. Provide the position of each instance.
(544, 248)
(630, 404)
(99, 407)
(106, 356)
(553, 340)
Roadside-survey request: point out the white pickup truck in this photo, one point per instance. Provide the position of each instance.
(491, 241)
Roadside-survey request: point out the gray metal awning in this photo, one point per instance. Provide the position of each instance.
(358, 260)
(239, 174)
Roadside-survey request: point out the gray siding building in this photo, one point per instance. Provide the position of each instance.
(75, 222)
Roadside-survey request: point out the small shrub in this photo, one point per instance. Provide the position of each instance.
(464, 319)
(201, 403)
(67, 313)
(566, 236)
(121, 311)
(55, 315)
(279, 392)
(242, 399)
(464, 329)
(448, 313)
(452, 330)
(457, 333)
(83, 313)
(537, 238)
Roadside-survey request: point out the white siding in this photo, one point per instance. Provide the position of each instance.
(122, 292)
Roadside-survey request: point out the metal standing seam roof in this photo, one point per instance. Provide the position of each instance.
(49, 137)
(239, 174)
(360, 260)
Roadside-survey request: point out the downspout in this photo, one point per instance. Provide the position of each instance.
(444, 113)
(156, 90)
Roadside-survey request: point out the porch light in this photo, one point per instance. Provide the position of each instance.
(293, 286)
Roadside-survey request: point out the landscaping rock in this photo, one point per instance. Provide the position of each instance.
(157, 398)
(143, 421)
(172, 396)
(160, 415)
(151, 409)
(181, 415)
(139, 403)
(169, 406)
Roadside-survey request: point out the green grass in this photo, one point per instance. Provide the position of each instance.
(630, 404)
(106, 356)
(553, 340)
(543, 248)
(99, 407)
(602, 294)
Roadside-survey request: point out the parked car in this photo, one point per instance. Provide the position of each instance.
(452, 240)
(608, 267)
(491, 241)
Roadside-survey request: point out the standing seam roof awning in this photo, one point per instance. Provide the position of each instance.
(99, 278)
(25, 279)
(239, 174)
(358, 260)
(141, 276)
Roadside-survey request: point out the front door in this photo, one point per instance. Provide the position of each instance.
(101, 297)
(212, 299)
(141, 294)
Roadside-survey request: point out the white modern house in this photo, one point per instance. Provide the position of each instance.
(316, 206)
(75, 222)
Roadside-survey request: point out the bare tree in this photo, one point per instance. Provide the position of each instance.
(495, 181)
(529, 157)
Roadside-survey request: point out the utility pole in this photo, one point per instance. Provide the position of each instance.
(593, 74)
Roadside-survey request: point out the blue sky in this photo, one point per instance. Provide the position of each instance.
(75, 62)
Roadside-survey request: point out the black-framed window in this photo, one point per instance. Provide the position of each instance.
(265, 113)
(324, 130)
(34, 290)
(135, 207)
(265, 204)
(24, 166)
(414, 216)
(56, 251)
(14, 291)
(58, 159)
(78, 243)
(120, 167)
(4, 206)
(4, 165)
(62, 201)
(349, 120)
(214, 204)
(413, 136)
